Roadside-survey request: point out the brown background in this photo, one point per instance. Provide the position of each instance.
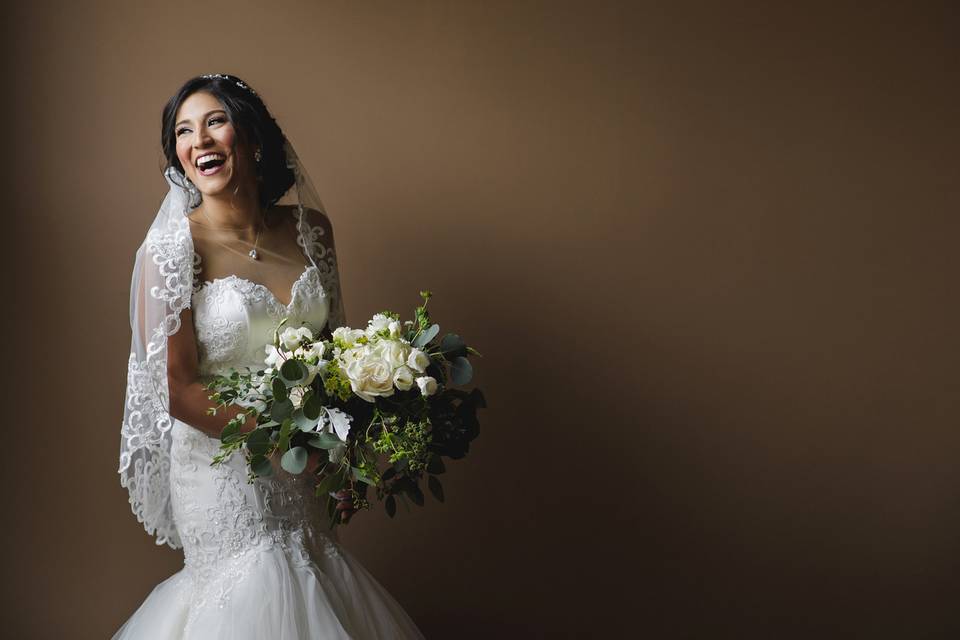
(708, 254)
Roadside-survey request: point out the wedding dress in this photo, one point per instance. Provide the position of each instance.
(260, 562)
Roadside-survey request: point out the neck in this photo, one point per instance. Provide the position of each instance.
(238, 215)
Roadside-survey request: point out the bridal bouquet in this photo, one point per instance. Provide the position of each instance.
(376, 405)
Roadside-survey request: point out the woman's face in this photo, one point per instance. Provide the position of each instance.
(204, 133)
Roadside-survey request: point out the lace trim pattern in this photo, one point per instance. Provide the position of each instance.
(225, 531)
(145, 431)
(325, 257)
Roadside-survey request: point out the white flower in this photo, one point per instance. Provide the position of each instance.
(273, 359)
(427, 384)
(291, 337)
(369, 373)
(296, 396)
(418, 360)
(377, 323)
(393, 352)
(310, 353)
(403, 377)
(346, 335)
(394, 327)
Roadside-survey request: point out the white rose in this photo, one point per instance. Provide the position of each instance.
(403, 377)
(427, 384)
(370, 375)
(393, 352)
(418, 360)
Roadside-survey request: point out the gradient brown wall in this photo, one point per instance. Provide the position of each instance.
(708, 255)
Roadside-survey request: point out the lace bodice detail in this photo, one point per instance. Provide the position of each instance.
(222, 519)
(234, 318)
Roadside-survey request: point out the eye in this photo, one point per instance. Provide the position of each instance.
(181, 130)
(217, 119)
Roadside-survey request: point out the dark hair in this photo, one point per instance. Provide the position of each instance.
(253, 123)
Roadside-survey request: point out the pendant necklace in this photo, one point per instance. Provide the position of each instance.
(253, 252)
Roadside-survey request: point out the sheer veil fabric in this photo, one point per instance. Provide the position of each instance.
(164, 278)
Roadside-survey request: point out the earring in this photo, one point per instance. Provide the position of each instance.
(257, 156)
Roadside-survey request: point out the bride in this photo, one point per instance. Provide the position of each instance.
(240, 242)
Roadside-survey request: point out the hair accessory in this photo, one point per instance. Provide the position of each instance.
(239, 83)
(257, 156)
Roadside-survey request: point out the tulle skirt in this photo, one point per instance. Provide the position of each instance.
(272, 597)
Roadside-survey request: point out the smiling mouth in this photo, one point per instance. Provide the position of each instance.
(210, 164)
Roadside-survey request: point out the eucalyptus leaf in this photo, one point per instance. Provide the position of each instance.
(260, 465)
(292, 371)
(301, 420)
(435, 487)
(258, 442)
(283, 440)
(325, 441)
(279, 390)
(295, 460)
(312, 407)
(230, 432)
(281, 410)
(428, 334)
(391, 506)
(461, 371)
(452, 343)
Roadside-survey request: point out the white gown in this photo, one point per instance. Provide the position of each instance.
(260, 561)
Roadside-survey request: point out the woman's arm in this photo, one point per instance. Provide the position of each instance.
(189, 401)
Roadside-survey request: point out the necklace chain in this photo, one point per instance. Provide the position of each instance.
(253, 252)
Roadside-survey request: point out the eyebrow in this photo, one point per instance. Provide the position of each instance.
(204, 116)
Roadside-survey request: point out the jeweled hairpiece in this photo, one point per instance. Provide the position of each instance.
(226, 77)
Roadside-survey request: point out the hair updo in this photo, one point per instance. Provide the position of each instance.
(254, 124)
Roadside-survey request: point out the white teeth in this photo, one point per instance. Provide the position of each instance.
(209, 156)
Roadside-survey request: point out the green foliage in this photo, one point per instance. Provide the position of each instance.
(393, 442)
(295, 460)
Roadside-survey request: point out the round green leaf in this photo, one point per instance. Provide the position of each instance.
(452, 343)
(230, 432)
(312, 407)
(279, 390)
(293, 371)
(258, 441)
(461, 371)
(295, 460)
(281, 410)
(301, 420)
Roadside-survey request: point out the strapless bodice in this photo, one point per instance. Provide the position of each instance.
(234, 318)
